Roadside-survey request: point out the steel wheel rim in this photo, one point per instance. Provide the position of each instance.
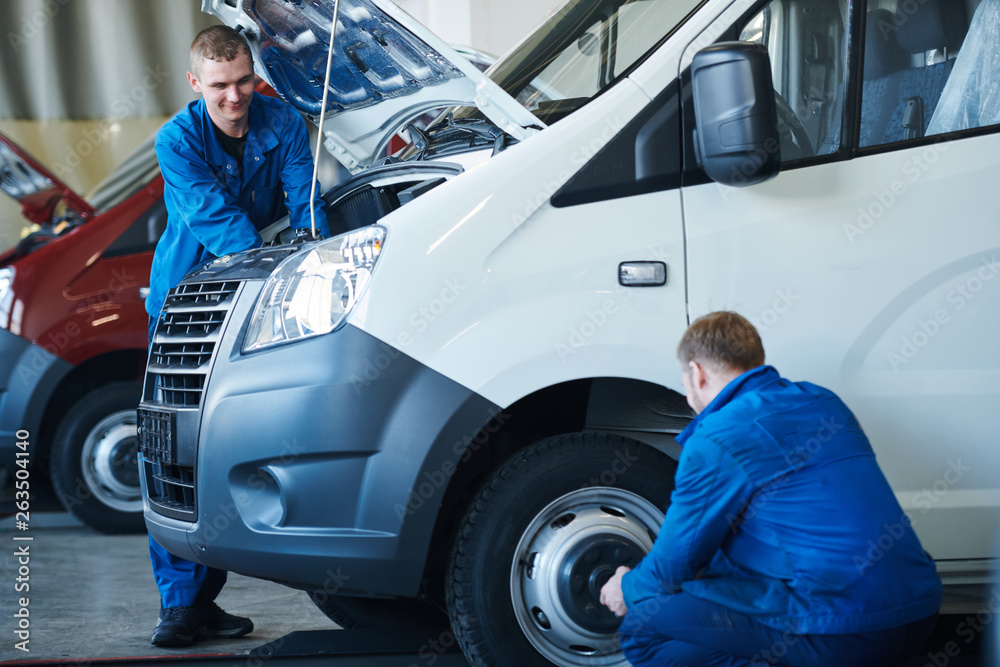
(110, 462)
(559, 544)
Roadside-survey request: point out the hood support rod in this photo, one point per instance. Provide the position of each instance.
(322, 117)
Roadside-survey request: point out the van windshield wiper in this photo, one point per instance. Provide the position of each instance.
(448, 127)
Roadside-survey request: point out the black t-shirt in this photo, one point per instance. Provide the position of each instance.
(233, 146)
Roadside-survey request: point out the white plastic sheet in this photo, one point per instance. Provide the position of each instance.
(971, 98)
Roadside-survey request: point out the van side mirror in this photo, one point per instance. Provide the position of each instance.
(736, 136)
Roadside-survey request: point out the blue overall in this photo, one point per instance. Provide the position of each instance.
(213, 210)
(783, 542)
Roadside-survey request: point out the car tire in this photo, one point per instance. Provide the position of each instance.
(544, 533)
(352, 613)
(94, 459)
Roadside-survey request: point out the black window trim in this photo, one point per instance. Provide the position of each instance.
(904, 144)
(850, 118)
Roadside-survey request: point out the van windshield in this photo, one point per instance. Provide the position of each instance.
(582, 49)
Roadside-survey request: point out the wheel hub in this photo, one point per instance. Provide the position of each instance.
(110, 462)
(564, 557)
(585, 570)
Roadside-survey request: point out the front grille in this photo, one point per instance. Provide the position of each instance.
(156, 431)
(171, 489)
(185, 340)
(184, 344)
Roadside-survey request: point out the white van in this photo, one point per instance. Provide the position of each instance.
(466, 400)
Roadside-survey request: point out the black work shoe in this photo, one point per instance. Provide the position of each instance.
(180, 626)
(220, 624)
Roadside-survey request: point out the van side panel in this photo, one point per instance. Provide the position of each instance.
(879, 278)
(508, 295)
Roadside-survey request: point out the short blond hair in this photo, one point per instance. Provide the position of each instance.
(220, 43)
(724, 340)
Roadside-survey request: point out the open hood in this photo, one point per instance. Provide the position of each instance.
(34, 187)
(387, 69)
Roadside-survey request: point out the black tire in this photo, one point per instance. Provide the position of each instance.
(352, 613)
(94, 460)
(545, 532)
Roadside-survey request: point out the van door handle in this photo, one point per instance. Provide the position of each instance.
(642, 274)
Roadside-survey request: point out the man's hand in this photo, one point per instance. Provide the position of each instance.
(611, 592)
(305, 234)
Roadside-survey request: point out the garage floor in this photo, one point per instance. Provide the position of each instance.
(93, 596)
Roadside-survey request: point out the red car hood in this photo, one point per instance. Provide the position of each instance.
(35, 187)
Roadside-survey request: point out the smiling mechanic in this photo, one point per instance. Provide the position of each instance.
(783, 542)
(233, 162)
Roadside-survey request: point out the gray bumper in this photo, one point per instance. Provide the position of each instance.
(309, 457)
(28, 375)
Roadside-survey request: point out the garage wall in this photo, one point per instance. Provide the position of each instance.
(82, 82)
(492, 26)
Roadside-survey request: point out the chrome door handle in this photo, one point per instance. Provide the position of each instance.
(642, 274)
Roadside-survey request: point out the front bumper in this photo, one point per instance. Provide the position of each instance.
(28, 376)
(308, 456)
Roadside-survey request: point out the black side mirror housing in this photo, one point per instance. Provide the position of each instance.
(736, 136)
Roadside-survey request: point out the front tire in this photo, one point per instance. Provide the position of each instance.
(546, 531)
(94, 461)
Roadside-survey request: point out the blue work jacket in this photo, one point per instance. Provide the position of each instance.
(211, 209)
(780, 511)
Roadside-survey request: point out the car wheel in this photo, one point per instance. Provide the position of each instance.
(94, 460)
(351, 613)
(546, 531)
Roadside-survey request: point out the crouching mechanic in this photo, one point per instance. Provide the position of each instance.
(762, 557)
(233, 162)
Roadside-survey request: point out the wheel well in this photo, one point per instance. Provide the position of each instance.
(116, 366)
(643, 411)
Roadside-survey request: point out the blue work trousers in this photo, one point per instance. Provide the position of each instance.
(181, 582)
(684, 631)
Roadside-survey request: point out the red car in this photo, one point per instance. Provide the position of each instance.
(73, 332)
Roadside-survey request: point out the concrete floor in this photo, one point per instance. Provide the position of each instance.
(93, 596)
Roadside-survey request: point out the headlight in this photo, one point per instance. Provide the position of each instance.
(312, 292)
(6, 295)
